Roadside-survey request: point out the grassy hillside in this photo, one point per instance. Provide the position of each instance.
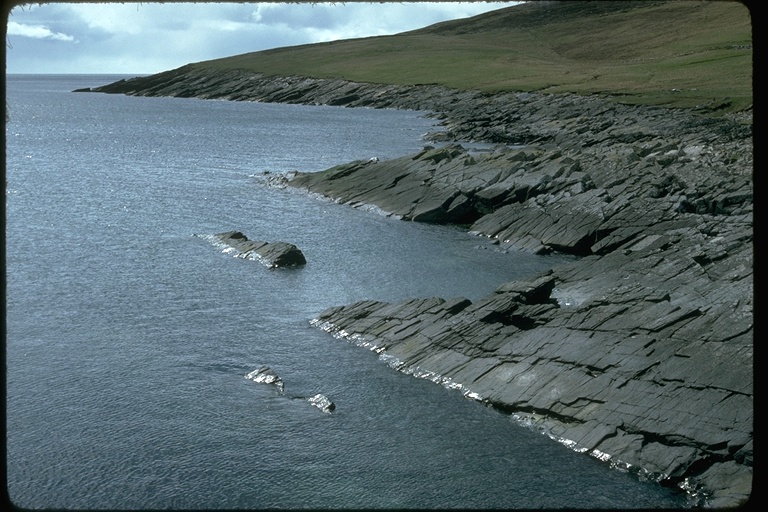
(676, 53)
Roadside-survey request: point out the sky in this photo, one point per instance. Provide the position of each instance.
(145, 38)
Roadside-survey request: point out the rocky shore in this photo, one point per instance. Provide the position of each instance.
(640, 352)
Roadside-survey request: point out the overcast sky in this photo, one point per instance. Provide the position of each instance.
(144, 38)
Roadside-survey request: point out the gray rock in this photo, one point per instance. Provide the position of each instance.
(271, 254)
(322, 402)
(266, 375)
(639, 353)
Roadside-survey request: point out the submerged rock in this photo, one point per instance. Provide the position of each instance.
(322, 402)
(266, 375)
(271, 254)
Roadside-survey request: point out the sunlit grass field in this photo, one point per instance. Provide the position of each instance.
(676, 53)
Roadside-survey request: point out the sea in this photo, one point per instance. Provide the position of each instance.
(128, 337)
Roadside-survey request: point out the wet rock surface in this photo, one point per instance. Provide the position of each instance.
(640, 352)
(322, 402)
(271, 254)
(266, 375)
(638, 357)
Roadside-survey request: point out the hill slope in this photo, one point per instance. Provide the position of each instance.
(679, 54)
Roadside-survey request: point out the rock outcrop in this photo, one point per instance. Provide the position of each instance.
(266, 375)
(322, 402)
(642, 357)
(271, 254)
(541, 199)
(639, 353)
(508, 118)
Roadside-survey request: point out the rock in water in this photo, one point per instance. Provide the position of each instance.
(266, 375)
(271, 254)
(322, 402)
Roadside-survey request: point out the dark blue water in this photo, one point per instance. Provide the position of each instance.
(128, 337)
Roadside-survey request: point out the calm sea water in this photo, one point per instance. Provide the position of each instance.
(128, 337)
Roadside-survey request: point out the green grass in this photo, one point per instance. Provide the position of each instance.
(679, 53)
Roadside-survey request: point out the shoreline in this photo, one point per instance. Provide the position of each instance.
(641, 350)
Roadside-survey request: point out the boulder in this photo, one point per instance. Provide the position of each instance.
(322, 402)
(266, 375)
(271, 254)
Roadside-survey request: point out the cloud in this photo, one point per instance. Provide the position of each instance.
(36, 32)
(144, 38)
(362, 19)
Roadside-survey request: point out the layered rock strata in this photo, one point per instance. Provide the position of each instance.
(638, 357)
(266, 375)
(270, 254)
(641, 351)
(541, 199)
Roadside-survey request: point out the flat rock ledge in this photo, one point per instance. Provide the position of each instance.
(270, 254)
(640, 352)
(636, 376)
